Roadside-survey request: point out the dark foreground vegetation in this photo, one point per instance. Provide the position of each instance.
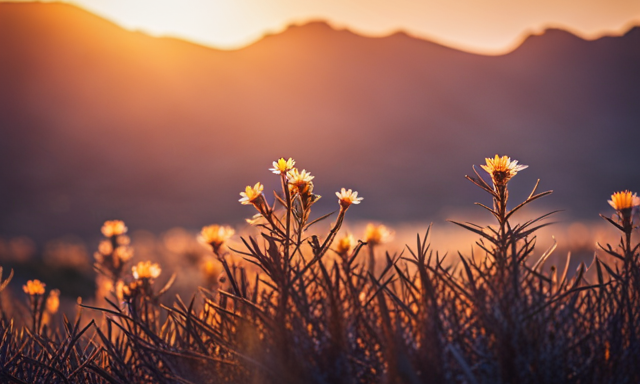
(307, 308)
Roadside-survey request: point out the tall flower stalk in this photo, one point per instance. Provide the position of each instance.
(114, 252)
(35, 290)
(513, 289)
(626, 282)
(625, 204)
(501, 170)
(284, 234)
(374, 236)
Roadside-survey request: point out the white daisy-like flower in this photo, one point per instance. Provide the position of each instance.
(346, 197)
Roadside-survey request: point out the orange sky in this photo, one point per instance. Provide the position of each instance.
(483, 26)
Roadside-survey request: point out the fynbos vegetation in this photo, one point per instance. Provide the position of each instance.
(294, 306)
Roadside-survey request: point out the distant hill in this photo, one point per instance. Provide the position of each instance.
(97, 122)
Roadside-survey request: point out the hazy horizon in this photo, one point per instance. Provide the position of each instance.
(492, 27)
(103, 123)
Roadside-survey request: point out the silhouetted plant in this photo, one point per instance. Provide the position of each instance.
(292, 312)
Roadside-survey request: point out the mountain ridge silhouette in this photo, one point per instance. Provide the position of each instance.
(99, 122)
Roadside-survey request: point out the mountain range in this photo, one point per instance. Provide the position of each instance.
(98, 122)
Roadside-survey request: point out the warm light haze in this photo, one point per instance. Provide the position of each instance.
(488, 26)
(319, 191)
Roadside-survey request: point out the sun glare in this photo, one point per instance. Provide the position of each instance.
(220, 23)
(489, 27)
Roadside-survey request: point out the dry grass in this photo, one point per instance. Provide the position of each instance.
(301, 308)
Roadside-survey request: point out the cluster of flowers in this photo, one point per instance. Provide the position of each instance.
(114, 252)
(374, 235)
(299, 184)
(297, 198)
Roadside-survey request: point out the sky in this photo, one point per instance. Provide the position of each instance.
(479, 26)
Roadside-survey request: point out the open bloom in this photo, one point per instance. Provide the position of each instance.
(376, 234)
(113, 228)
(624, 200)
(146, 270)
(216, 235)
(300, 180)
(105, 247)
(346, 197)
(129, 291)
(345, 245)
(122, 254)
(123, 240)
(502, 169)
(282, 166)
(34, 287)
(250, 194)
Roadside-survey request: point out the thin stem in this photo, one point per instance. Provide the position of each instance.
(372, 259)
(34, 308)
(500, 206)
(287, 194)
(333, 233)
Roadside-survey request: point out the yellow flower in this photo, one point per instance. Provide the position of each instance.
(251, 194)
(624, 200)
(216, 235)
(502, 169)
(346, 197)
(146, 270)
(376, 234)
(53, 301)
(299, 179)
(113, 228)
(123, 254)
(345, 245)
(300, 182)
(34, 287)
(105, 247)
(129, 291)
(282, 166)
(123, 240)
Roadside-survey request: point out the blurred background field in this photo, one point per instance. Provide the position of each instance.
(99, 122)
(67, 263)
